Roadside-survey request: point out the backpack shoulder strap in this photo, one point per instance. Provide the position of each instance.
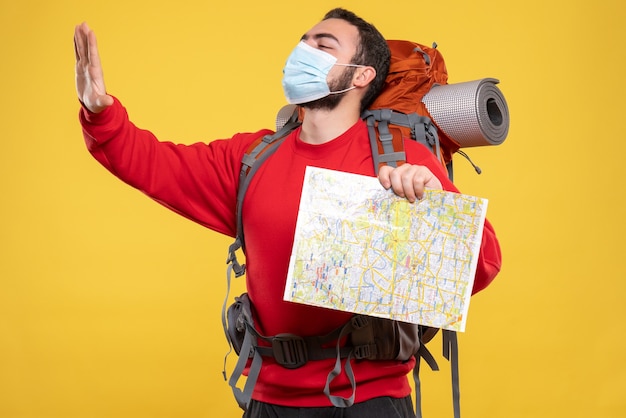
(257, 153)
(387, 130)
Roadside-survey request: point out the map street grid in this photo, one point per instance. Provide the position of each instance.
(362, 249)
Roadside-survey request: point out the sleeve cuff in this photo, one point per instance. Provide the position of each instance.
(101, 118)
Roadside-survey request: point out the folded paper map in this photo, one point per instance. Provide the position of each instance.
(362, 249)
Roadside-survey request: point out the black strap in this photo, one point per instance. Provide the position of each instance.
(422, 353)
(451, 352)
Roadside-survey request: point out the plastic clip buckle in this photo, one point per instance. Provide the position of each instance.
(359, 321)
(289, 350)
(364, 351)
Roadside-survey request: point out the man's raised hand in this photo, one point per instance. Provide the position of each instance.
(89, 78)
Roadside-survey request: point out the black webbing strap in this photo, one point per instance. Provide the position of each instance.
(292, 351)
(451, 352)
(422, 353)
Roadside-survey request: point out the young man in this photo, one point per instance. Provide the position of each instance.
(334, 73)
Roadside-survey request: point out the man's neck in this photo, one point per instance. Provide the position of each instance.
(321, 126)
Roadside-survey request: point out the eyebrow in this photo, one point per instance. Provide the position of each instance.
(320, 36)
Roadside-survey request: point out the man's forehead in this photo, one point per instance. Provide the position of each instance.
(337, 30)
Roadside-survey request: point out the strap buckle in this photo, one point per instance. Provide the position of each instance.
(367, 351)
(359, 321)
(289, 350)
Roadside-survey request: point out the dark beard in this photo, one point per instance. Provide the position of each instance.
(332, 100)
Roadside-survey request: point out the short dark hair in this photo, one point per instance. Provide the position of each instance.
(372, 50)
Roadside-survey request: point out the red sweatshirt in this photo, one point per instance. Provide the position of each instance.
(199, 181)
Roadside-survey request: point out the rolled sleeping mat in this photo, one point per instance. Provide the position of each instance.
(472, 113)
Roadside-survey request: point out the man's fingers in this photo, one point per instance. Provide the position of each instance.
(86, 46)
(76, 53)
(408, 180)
(77, 44)
(92, 50)
(80, 34)
(433, 182)
(384, 176)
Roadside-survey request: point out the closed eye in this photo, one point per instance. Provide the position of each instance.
(324, 40)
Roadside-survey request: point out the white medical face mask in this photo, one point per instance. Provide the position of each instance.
(305, 73)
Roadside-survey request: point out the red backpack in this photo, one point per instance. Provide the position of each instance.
(398, 110)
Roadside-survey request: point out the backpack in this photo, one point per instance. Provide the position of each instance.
(398, 113)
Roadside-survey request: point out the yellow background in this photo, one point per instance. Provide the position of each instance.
(110, 304)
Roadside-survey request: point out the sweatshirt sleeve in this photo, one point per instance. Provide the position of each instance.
(489, 259)
(198, 181)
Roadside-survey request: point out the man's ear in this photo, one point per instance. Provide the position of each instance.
(364, 76)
